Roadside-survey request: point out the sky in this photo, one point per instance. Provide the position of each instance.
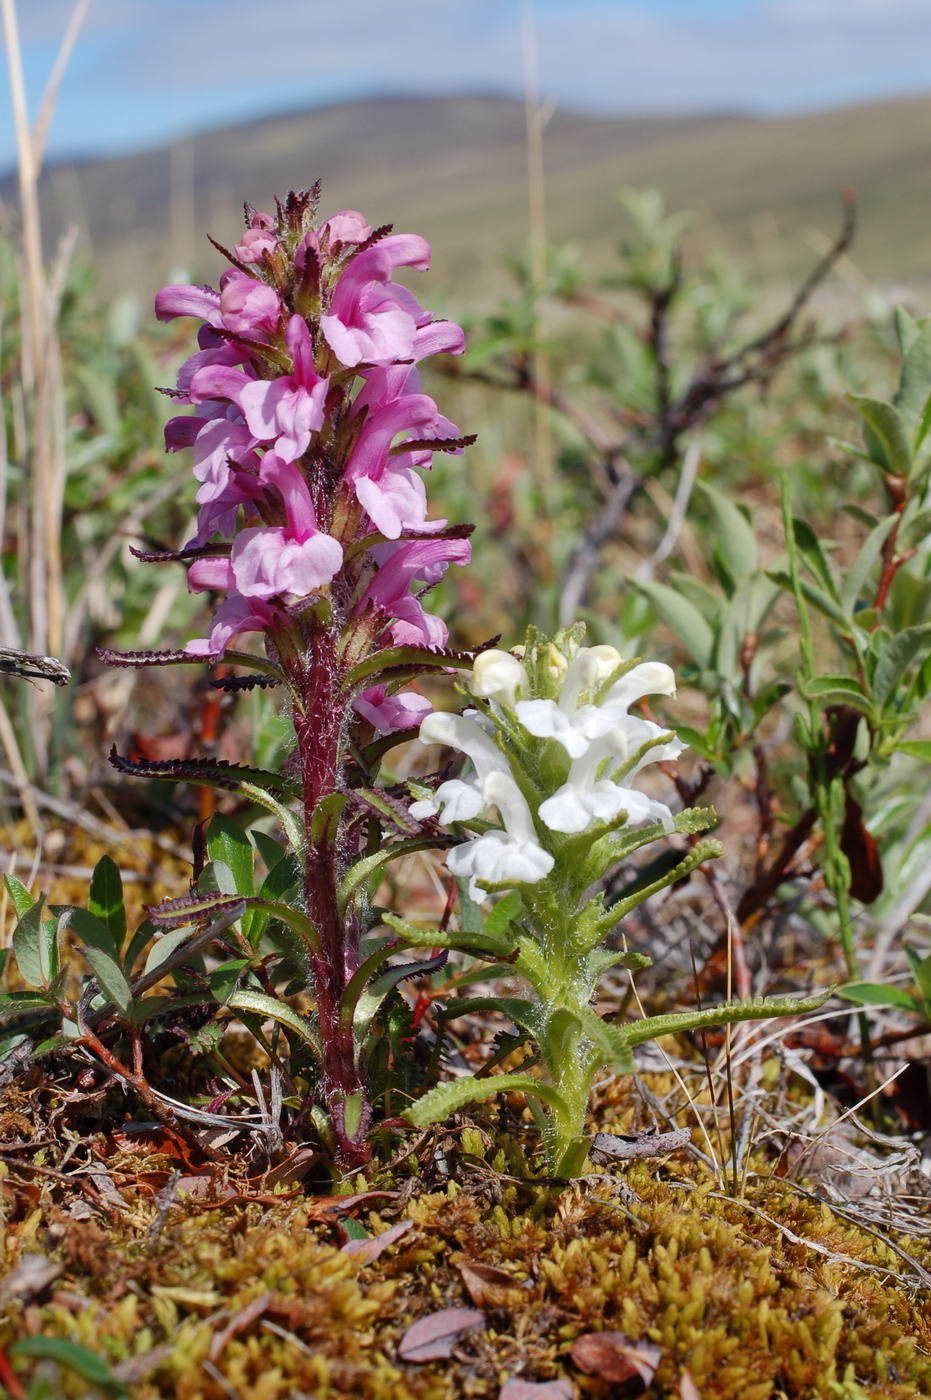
(148, 71)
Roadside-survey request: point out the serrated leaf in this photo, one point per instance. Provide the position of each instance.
(227, 842)
(371, 997)
(884, 432)
(728, 1013)
(196, 908)
(445, 1099)
(418, 937)
(262, 1005)
(389, 808)
(682, 617)
(409, 659)
(106, 898)
(110, 978)
(208, 772)
(503, 914)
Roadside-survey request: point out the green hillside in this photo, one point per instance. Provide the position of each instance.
(456, 169)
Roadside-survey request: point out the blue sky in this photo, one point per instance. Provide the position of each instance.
(149, 70)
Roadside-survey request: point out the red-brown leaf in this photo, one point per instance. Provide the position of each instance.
(369, 1249)
(489, 1287)
(617, 1358)
(433, 1337)
(537, 1390)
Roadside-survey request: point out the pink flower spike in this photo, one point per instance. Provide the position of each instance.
(289, 409)
(248, 307)
(234, 616)
(391, 713)
(174, 301)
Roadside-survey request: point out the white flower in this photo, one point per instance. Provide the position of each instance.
(497, 675)
(577, 726)
(460, 799)
(511, 856)
(586, 798)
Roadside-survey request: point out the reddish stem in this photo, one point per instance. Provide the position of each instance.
(318, 727)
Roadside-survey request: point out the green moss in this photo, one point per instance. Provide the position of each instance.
(263, 1296)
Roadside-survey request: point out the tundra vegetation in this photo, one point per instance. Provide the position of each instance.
(495, 961)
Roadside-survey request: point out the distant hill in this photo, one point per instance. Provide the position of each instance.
(455, 169)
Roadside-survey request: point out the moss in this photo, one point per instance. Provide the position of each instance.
(262, 1300)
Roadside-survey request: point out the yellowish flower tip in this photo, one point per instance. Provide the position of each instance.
(557, 664)
(497, 675)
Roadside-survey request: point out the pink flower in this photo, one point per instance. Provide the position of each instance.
(402, 565)
(174, 301)
(288, 409)
(220, 448)
(257, 240)
(348, 226)
(386, 486)
(295, 559)
(372, 320)
(390, 713)
(234, 616)
(249, 307)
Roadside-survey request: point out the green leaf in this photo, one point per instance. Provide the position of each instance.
(419, 937)
(268, 1007)
(13, 1002)
(836, 690)
(897, 655)
(503, 914)
(408, 659)
(110, 978)
(921, 971)
(884, 432)
(106, 898)
(862, 566)
(358, 875)
(906, 329)
(735, 542)
(470, 913)
(682, 617)
(875, 994)
(813, 553)
(163, 947)
(324, 821)
(916, 748)
(915, 380)
(223, 979)
(93, 931)
(445, 1099)
(729, 1012)
(226, 841)
(73, 1357)
(20, 897)
(35, 946)
(609, 1041)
